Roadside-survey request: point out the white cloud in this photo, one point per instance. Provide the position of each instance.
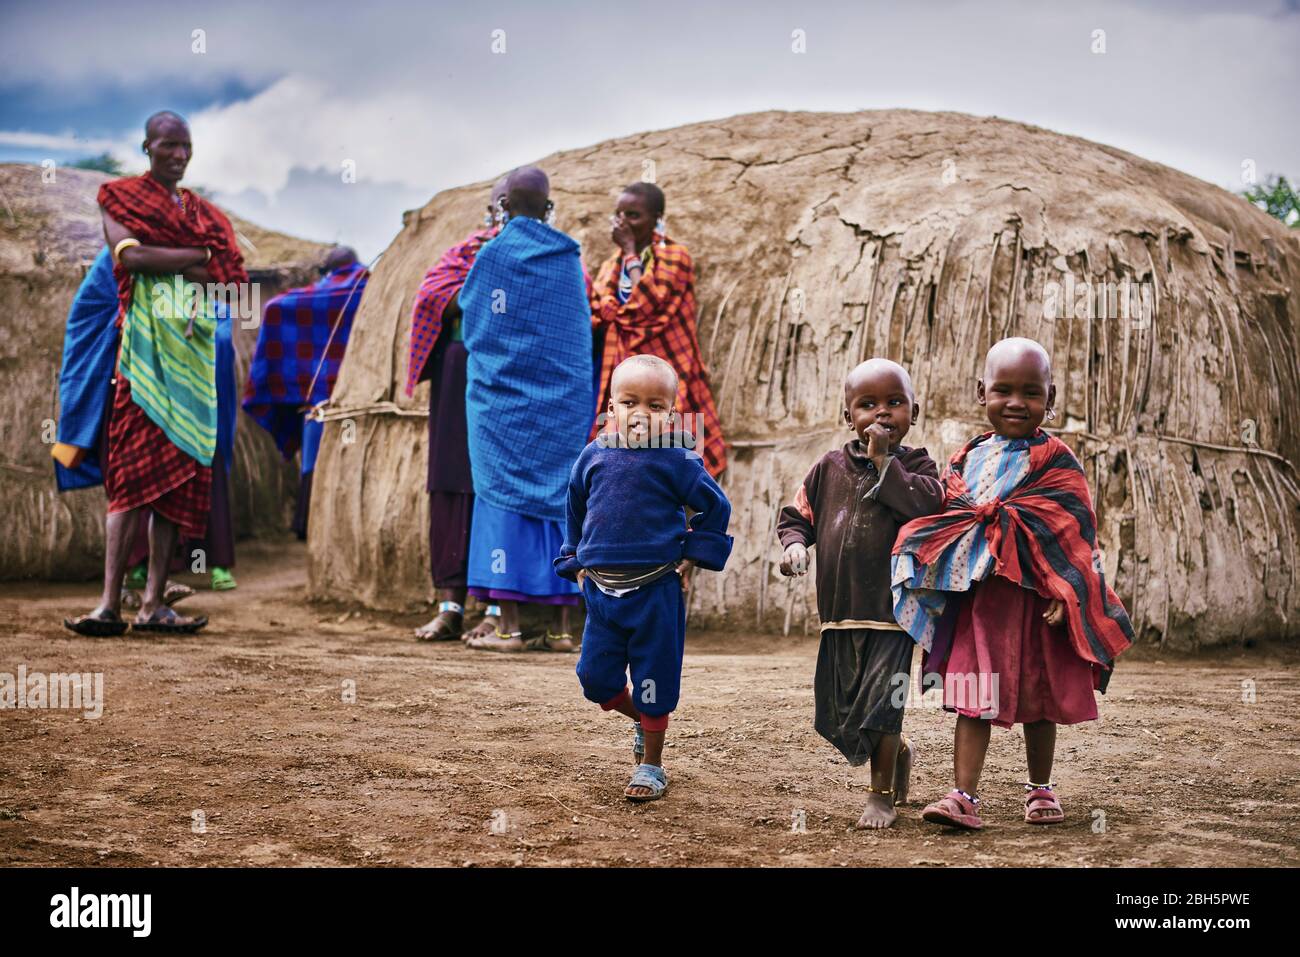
(413, 95)
(55, 142)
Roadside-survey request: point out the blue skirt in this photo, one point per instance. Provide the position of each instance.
(511, 556)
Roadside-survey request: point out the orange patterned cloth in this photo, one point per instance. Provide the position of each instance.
(659, 318)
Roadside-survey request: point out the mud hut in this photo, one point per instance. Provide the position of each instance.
(49, 234)
(821, 239)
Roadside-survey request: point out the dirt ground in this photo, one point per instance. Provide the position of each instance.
(454, 757)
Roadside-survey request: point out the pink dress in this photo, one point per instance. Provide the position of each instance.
(1000, 631)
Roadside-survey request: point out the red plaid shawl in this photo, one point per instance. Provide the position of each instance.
(659, 318)
(150, 213)
(1042, 536)
(440, 283)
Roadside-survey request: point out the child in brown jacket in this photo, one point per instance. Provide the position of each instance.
(851, 506)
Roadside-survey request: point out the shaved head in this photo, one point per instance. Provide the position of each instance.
(156, 124)
(650, 194)
(527, 192)
(873, 369)
(340, 256)
(167, 144)
(1017, 351)
(644, 367)
(879, 404)
(1016, 390)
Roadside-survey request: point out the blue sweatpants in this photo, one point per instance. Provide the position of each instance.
(643, 632)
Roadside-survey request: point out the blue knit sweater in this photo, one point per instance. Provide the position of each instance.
(625, 509)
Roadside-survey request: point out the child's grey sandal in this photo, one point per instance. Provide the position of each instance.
(650, 776)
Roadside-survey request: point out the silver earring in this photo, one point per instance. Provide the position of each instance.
(1051, 414)
(661, 229)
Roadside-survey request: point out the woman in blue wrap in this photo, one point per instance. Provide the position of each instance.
(529, 408)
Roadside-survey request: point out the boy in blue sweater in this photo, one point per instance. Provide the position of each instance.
(627, 545)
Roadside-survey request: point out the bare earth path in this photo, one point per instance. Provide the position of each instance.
(453, 757)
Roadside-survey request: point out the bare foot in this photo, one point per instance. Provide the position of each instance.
(879, 813)
(495, 642)
(487, 626)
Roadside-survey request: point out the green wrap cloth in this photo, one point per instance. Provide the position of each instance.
(172, 376)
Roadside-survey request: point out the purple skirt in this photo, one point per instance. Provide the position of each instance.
(449, 469)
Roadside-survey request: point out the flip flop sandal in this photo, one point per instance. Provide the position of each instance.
(446, 626)
(650, 776)
(175, 592)
(954, 810)
(493, 620)
(477, 643)
(107, 625)
(137, 577)
(1041, 799)
(903, 778)
(165, 621)
(222, 580)
(544, 643)
(638, 741)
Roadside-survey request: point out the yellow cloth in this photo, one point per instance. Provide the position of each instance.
(69, 456)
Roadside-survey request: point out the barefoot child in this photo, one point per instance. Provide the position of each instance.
(1004, 590)
(851, 506)
(628, 544)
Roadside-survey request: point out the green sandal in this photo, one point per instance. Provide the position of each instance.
(137, 577)
(222, 580)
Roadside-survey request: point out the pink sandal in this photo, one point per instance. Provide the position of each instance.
(1039, 798)
(956, 809)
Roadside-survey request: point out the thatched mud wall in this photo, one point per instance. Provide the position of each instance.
(821, 239)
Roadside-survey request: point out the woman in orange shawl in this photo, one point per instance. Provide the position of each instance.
(643, 301)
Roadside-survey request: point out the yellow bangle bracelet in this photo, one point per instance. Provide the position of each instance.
(124, 244)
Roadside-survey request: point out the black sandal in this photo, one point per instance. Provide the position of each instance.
(166, 621)
(108, 624)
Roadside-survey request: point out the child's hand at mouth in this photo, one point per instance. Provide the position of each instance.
(878, 439)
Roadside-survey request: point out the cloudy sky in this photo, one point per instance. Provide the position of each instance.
(420, 96)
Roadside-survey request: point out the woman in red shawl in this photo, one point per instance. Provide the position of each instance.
(643, 301)
(436, 352)
(155, 227)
